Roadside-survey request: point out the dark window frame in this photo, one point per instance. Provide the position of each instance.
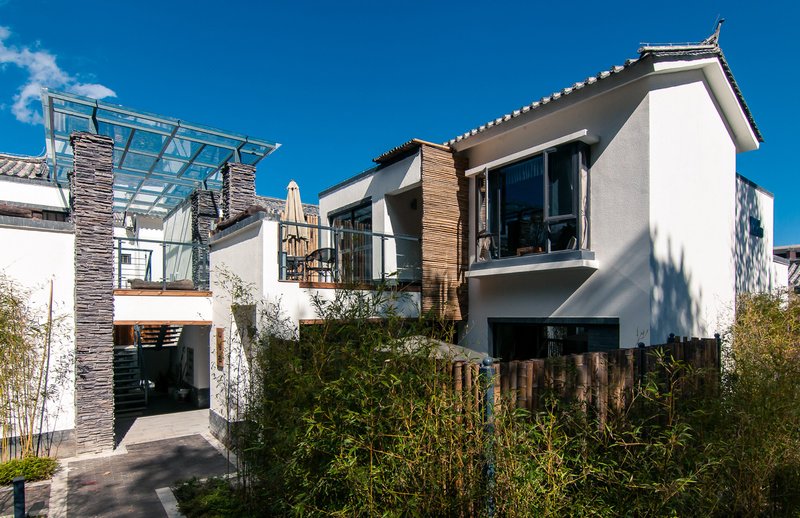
(584, 323)
(491, 220)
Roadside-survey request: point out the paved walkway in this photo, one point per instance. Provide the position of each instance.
(134, 430)
(154, 452)
(125, 485)
(37, 496)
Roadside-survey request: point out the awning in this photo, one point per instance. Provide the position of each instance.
(158, 160)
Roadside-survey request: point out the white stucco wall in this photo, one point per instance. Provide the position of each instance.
(619, 208)
(394, 179)
(251, 254)
(33, 258)
(662, 204)
(780, 275)
(197, 339)
(34, 193)
(755, 271)
(397, 177)
(692, 209)
(161, 308)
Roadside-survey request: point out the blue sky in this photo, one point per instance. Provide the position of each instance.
(338, 83)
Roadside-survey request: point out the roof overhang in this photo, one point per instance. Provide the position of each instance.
(653, 60)
(158, 161)
(744, 135)
(404, 149)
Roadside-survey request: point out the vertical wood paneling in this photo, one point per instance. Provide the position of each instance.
(444, 233)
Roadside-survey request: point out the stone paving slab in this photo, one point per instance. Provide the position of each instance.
(37, 499)
(156, 427)
(125, 485)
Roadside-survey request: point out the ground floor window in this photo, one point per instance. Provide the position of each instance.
(524, 339)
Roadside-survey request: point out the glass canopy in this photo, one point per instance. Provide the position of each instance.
(158, 161)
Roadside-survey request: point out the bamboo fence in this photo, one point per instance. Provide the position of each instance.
(604, 381)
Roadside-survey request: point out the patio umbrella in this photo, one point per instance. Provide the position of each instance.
(293, 213)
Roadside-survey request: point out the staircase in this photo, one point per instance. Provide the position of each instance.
(130, 389)
(159, 336)
(129, 392)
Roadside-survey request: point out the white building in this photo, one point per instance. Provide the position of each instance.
(118, 215)
(603, 215)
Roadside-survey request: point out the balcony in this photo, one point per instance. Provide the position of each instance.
(314, 254)
(142, 264)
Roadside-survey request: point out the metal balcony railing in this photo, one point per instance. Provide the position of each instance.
(163, 265)
(340, 255)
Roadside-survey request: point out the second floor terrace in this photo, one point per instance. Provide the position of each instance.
(295, 264)
(312, 253)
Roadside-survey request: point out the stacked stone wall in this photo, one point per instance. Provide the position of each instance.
(238, 188)
(92, 215)
(204, 214)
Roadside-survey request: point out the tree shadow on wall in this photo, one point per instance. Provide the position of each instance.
(750, 247)
(674, 307)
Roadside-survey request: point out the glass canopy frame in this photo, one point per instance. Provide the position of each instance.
(158, 161)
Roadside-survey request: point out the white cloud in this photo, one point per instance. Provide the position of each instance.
(93, 90)
(42, 72)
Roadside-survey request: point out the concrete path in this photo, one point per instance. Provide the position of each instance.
(154, 452)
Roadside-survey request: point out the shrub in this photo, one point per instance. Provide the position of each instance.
(210, 498)
(32, 468)
(349, 418)
(757, 429)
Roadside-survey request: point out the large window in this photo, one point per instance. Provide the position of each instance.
(544, 338)
(358, 217)
(536, 205)
(354, 249)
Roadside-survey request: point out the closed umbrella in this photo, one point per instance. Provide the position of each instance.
(293, 213)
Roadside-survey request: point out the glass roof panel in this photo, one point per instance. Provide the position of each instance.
(180, 190)
(153, 186)
(181, 148)
(248, 158)
(254, 148)
(158, 160)
(213, 155)
(138, 162)
(211, 138)
(166, 165)
(147, 142)
(197, 172)
(118, 134)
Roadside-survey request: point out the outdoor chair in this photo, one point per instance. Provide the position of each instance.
(321, 262)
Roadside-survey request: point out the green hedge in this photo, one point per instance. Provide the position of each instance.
(32, 468)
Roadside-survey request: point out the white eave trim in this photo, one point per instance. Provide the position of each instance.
(579, 136)
(585, 264)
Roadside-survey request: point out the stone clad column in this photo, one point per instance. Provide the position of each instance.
(238, 188)
(92, 215)
(204, 213)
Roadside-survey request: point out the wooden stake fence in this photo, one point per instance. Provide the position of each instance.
(604, 381)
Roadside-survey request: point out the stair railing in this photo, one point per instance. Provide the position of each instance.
(143, 382)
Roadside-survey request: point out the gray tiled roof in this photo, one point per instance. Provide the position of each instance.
(28, 167)
(276, 205)
(644, 52)
(414, 143)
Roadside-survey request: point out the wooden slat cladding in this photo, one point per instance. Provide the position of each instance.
(445, 206)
